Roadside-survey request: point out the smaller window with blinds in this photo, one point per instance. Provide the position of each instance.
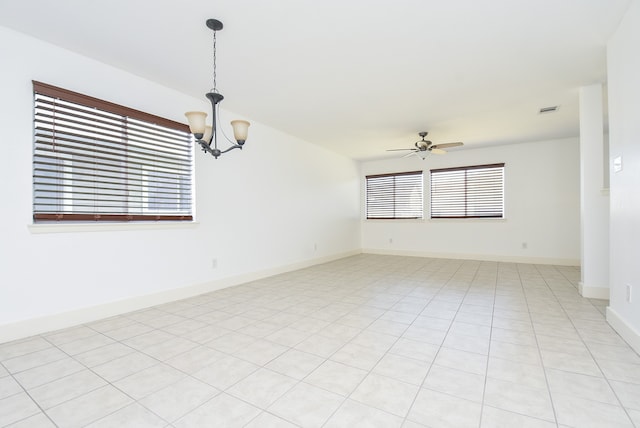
(394, 196)
(468, 192)
(98, 161)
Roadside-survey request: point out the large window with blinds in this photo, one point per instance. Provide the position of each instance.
(98, 161)
(468, 192)
(394, 196)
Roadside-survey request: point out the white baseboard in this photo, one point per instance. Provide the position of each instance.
(34, 326)
(628, 333)
(481, 257)
(591, 292)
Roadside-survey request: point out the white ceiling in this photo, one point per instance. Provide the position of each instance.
(355, 76)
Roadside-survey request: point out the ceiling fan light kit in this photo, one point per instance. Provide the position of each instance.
(207, 135)
(425, 147)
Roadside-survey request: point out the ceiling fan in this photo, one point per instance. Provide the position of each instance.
(424, 147)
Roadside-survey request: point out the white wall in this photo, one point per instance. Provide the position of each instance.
(542, 188)
(261, 210)
(594, 200)
(624, 139)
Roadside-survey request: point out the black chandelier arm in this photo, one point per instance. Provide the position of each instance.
(235, 146)
(214, 151)
(235, 143)
(215, 98)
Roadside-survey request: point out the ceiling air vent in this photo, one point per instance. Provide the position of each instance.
(551, 109)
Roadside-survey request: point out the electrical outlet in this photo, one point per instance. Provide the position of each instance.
(524, 245)
(629, 294)
(390, 240)
(214, 263)
(315, 247)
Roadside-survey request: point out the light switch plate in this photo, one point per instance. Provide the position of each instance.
(617, 164)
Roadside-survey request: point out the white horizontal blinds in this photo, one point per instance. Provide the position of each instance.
(95, 160)
(468, 192)
(394, 196)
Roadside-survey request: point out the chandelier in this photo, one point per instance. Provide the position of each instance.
(207, 135)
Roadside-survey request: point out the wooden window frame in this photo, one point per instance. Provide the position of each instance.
(141, 167)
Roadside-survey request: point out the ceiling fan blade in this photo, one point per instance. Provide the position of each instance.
(446, 145)
(438, 151)
(397, 150)
(409, 154)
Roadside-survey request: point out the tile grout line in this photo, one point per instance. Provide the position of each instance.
(24, 390)
(486, 371)
(406, 418)
(606, 379)
(348, 397)
(533, 327)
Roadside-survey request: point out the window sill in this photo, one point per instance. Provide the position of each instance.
(436, 220)
(471, 219)
(395, 220)
(108, 227)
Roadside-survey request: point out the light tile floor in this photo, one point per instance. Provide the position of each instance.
(366, 341)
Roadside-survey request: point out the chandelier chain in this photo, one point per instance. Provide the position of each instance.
(215, 87)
